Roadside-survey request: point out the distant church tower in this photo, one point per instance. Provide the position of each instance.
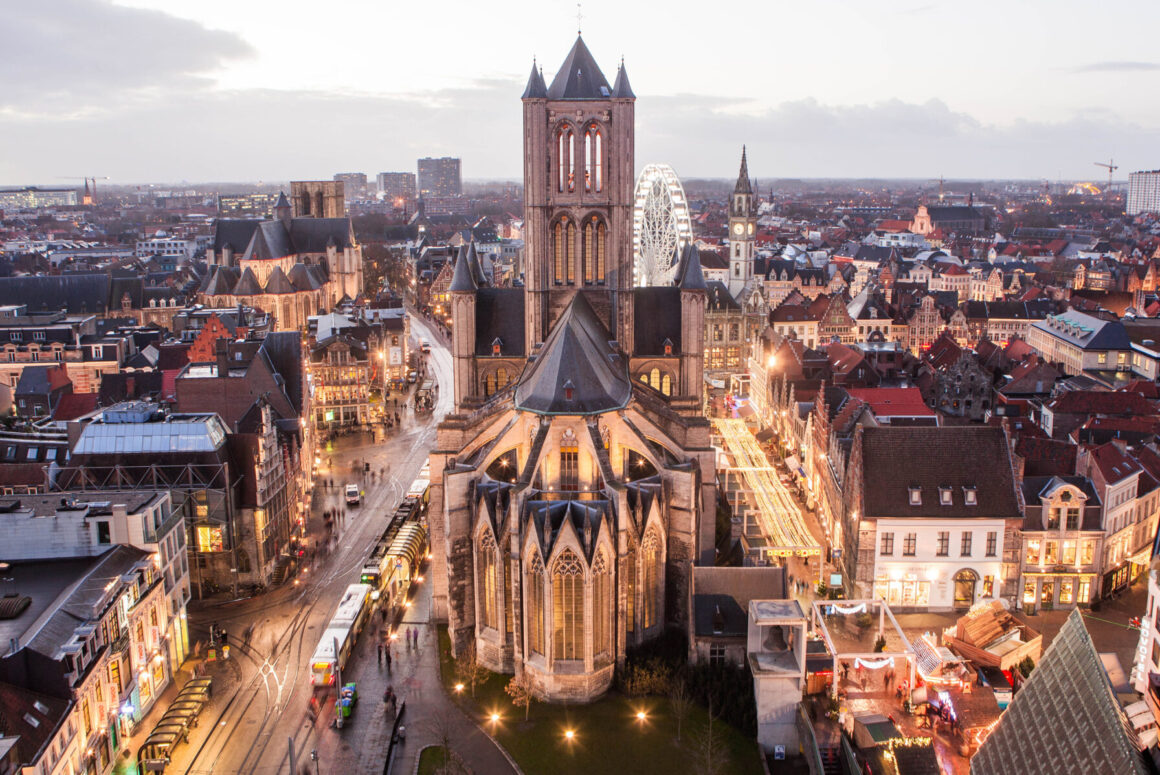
(742, 230)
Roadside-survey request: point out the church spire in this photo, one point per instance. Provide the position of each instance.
(743, 185)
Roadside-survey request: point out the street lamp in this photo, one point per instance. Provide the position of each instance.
(459, 688)
(569, 735)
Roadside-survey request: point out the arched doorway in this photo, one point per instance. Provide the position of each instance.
(965, 582)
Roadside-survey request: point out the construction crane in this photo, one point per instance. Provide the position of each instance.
(1111, 167)
(90, 196)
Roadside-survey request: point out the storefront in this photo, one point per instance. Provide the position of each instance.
(1045, 591)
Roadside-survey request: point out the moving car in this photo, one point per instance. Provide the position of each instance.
(352, 495)
(424, 345)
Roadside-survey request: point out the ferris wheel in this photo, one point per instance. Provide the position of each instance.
(661, 226)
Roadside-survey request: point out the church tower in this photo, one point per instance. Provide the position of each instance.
(578, 179)
(742, 230)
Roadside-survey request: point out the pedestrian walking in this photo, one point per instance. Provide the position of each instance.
(389, 660)
(225, 636)
(380, 655)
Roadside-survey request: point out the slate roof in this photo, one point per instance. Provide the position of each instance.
(1065, 719)
(247, 284)
(535, 88)
(1086, 331)
(279, 282)
(657, 317)
(306, 277)
(897, 459)
(579, 78)
(719, 297)
(576, 355)
(719, 616)
(622, 89)
(499, 314)
(462, 278)
(690, 276)
(953, 213)
(271, 239)
(77, 293)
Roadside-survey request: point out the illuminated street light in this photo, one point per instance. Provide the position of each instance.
(458, 687)
(641, 715)
(569, 734)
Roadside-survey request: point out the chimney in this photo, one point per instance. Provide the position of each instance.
(222, 353)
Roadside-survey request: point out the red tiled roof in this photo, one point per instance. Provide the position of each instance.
(1112, 463)
(893, 402)
(1143, 387)
(74, 405)
(1102, 402)
(1046, 457)
(893, 225)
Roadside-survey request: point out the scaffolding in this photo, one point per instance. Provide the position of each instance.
(780, 518)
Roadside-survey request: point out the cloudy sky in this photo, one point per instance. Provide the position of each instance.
(212, 90)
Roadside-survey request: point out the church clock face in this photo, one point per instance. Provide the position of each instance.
(752, 228)
(738, 229)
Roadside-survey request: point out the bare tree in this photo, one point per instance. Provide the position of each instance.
(681, 703)
(468, 669)
(710, 756)
(443, 728)
(520, 690)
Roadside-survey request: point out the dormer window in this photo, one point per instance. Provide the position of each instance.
(970, 496)
(496, 344)
(944, 496)
(668, 346)
(915, 496)
(569, 390)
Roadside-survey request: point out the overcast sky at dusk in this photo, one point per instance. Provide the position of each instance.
(213, 90)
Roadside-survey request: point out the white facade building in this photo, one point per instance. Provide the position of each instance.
(1143, 192)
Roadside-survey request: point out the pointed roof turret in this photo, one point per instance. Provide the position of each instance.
(579, 78)
(475, 266)
(690, 277)
(743, 185)
(462, 279)
(622, 88)
(535, 90)
(282, 201)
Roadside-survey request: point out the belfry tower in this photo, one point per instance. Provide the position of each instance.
(578, 179)
(742, 230)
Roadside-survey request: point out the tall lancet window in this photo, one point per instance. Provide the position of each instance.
(536, 605)
(487, 582)
(568, 607)
(595, 246)
(651, 593)
(565, 159)
(593, 159)
(601, 606)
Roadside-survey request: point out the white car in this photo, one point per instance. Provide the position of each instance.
(352, 495)
(424, 345)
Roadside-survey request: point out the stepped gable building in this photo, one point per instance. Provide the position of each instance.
(294, 266)
(572, 486)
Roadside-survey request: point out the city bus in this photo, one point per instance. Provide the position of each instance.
(340, 635)
(420, 490)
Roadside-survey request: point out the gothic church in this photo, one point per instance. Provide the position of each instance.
(572, 486)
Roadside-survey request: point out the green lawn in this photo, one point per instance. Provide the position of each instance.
(607, 735)
(432, 759)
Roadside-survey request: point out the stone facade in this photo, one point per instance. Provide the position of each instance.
(571, 484)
